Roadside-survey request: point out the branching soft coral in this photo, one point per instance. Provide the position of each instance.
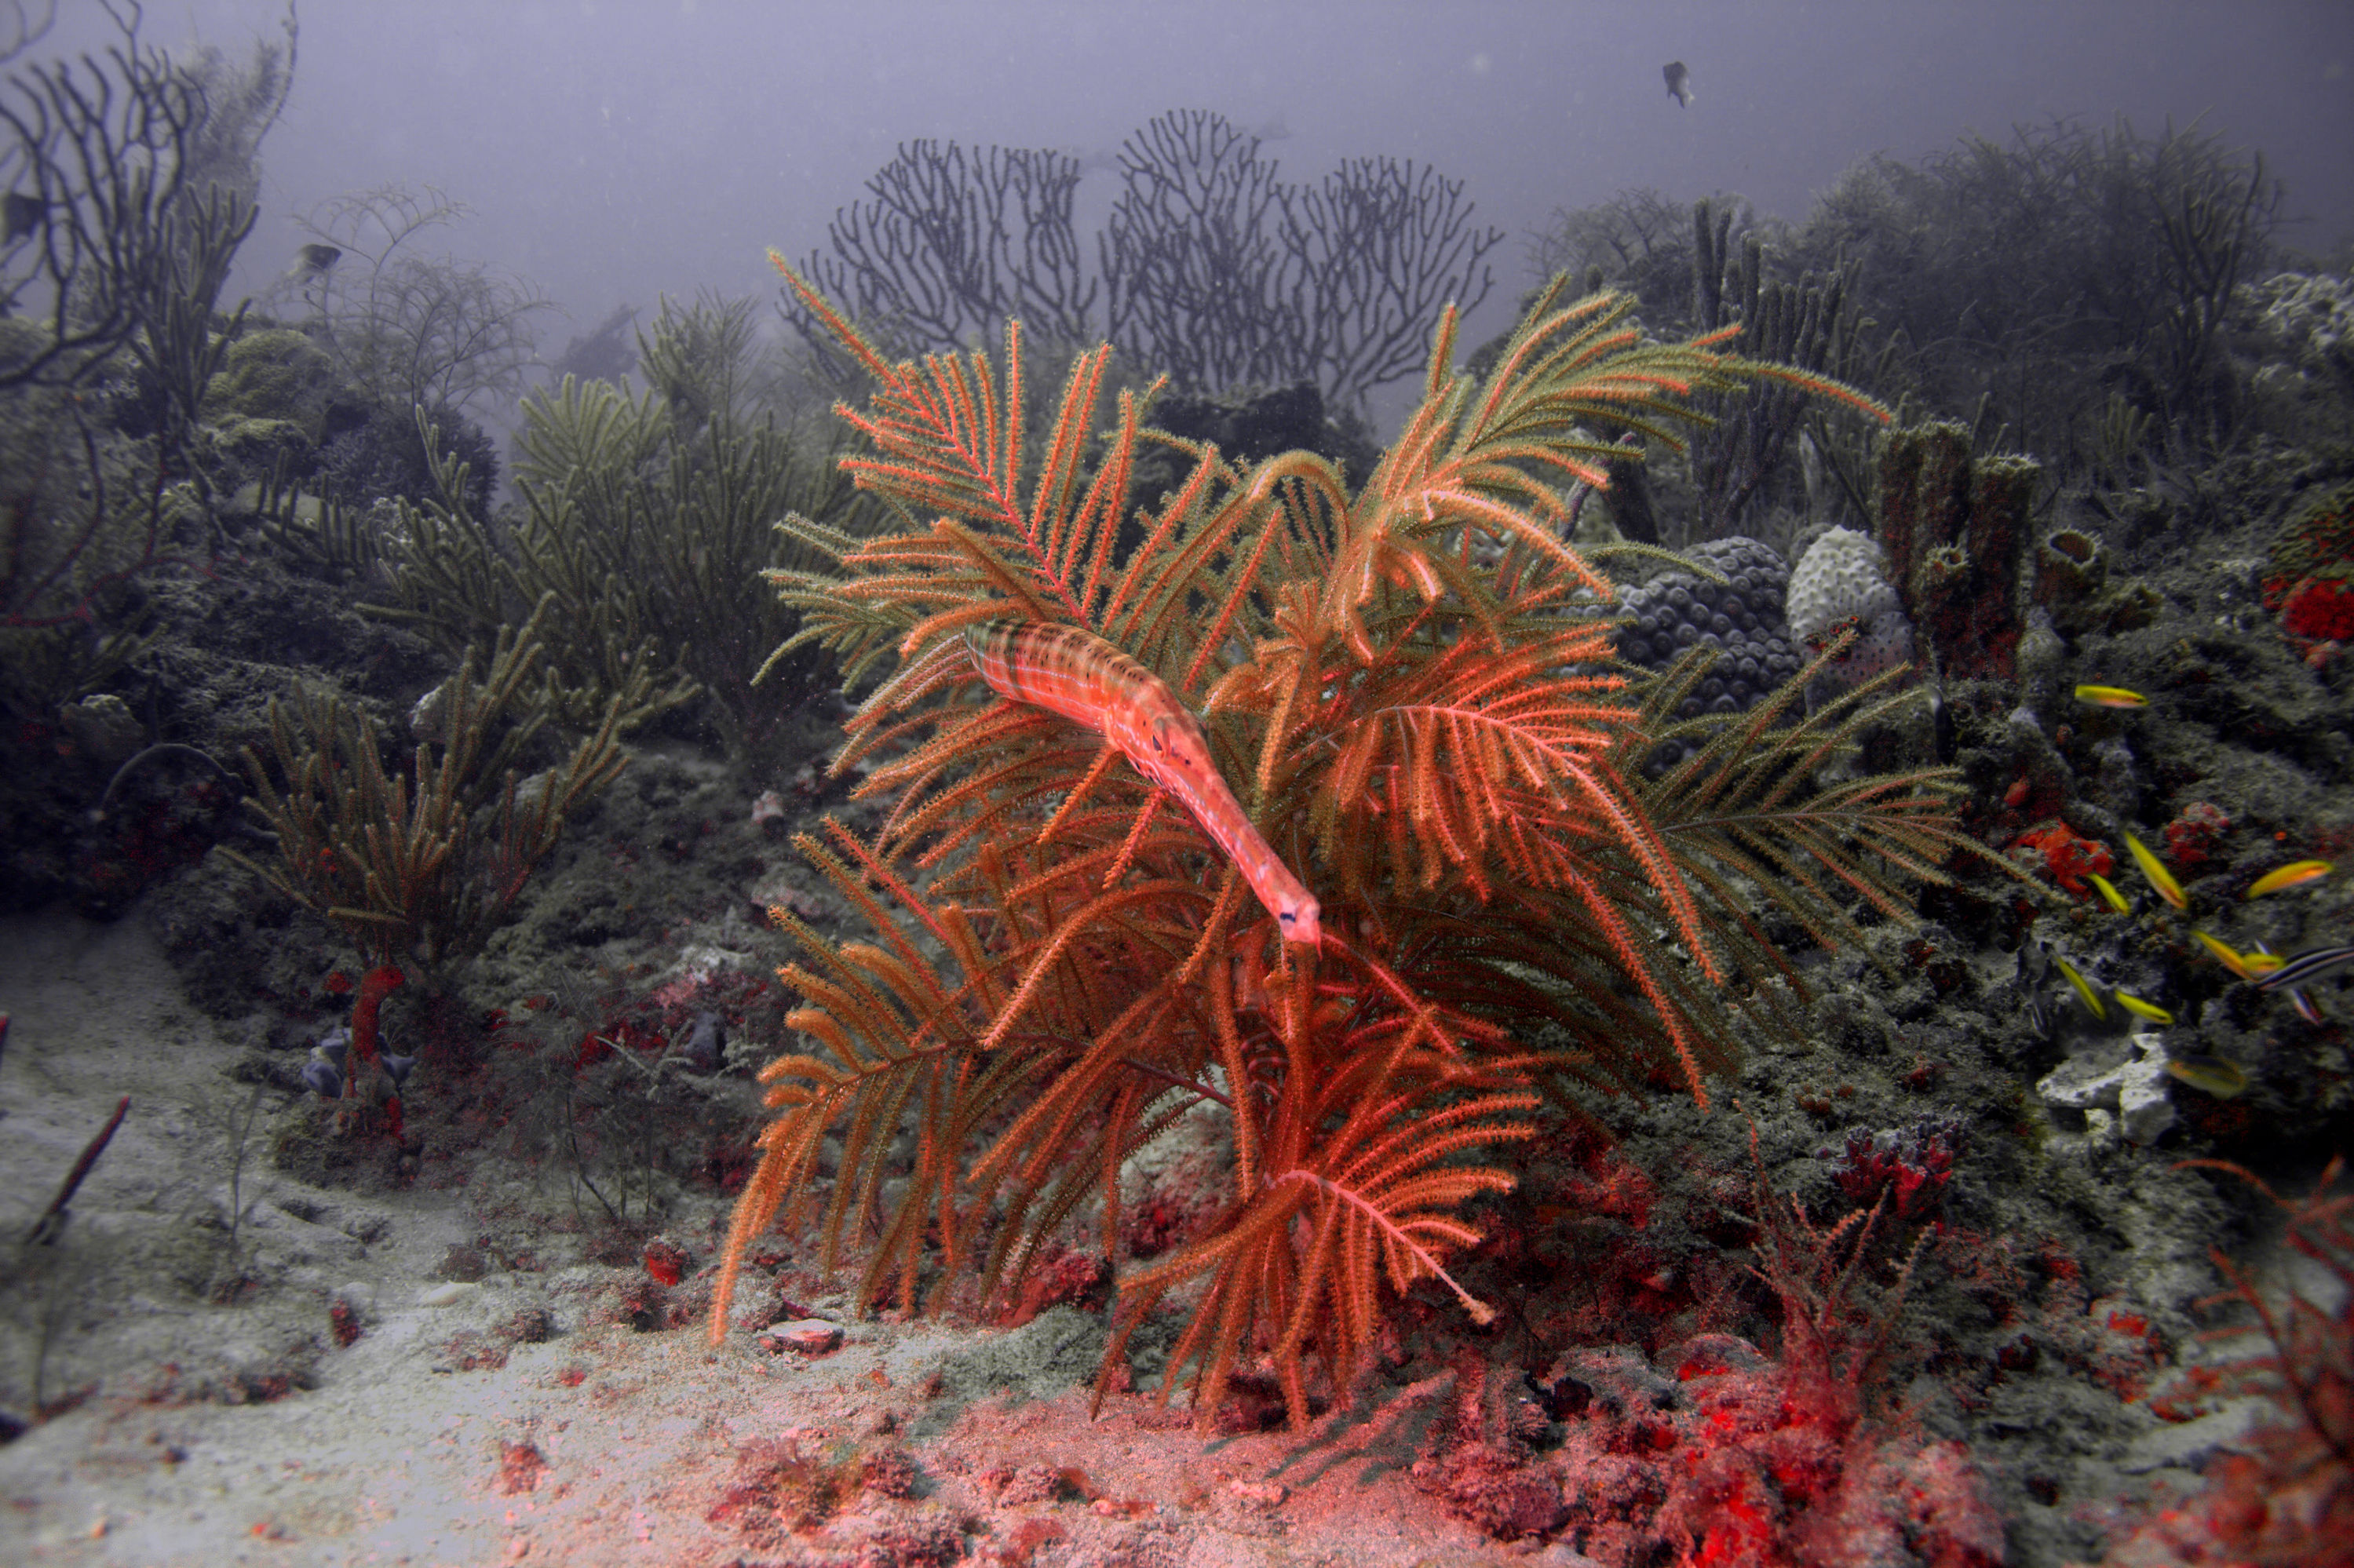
(1409, 692)
(1793, 1467)
(2287, 1497)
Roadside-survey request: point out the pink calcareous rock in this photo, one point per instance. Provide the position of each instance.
(808, 1336)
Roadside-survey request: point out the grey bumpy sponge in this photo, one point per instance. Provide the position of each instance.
(1742, 621)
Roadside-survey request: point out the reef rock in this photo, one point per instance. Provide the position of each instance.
(2121, 1095)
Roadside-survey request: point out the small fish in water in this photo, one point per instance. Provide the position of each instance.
(704, 1041)
(2309, 965)
(2091, 998)
(2109, 895)
(396, 1067)
(24, 213)
(2292, 875)
(322, 1077)
(2141, 1009)
(2160, 877)
(1679, 83)
(2230, 958)
(2111, 697)
(2040, 1021)
(310, 261)
(2211, 1074)
(2263, 962)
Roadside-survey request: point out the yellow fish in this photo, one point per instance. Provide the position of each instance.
(2083, 986)
(2263, 962)
(2292, 875)
(2141, 1009)
(2160, 877)
(2223, 1079)
(2109, 895)
(2239, 963)
(2111, 697)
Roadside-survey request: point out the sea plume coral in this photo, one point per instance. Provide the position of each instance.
(2286, 1494)
(1409, 690)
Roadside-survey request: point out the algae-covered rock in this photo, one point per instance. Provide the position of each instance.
(276, 383)
(21, 337)
(1059, 1350)
(2316, 542)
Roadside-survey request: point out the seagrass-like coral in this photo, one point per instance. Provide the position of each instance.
(421, 865)
(1410, 690)
(648, 514)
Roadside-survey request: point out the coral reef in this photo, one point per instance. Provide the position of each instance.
(1449, 1190)
(2026, 238)
(2310, 572)
(1740, 619)
(2285, 1495)
(2072, 582)
(646, 518)
(414, 331)
(1808, 324)
(1373, 1079)
(2068, 855)
(2122, 1092)
(278, 400)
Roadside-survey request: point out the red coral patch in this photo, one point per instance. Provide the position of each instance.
(2068, 855)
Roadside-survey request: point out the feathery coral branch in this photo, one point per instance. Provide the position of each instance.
(1434, 736)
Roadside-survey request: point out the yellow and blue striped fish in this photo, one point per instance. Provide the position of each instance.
(2085, 992)
(2300, 969)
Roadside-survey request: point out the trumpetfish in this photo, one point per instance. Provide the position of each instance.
(1080, 676)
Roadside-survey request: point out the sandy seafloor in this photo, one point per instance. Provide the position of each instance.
(392, 1456)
